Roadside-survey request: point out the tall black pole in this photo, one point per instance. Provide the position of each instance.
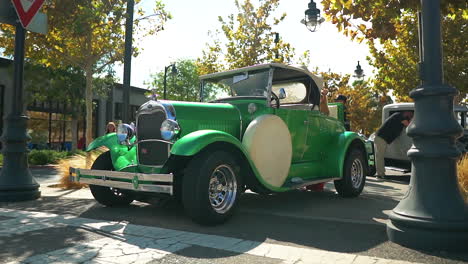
(127, 61)
(433, 214)
(16, 181)
(165, 83)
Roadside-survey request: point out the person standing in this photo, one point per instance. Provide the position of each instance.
(342, 99)
(386, 134)
(110, 128)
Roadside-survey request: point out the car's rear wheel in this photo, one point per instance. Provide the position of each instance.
(211, 187)
(354, 175)
(106, 195)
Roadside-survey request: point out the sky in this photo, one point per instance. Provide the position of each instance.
(185, 36)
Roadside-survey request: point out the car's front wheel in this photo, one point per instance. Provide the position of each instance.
(211, 187)
(106, 195)
(354, 175)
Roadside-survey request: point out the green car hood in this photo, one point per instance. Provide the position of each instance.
(213, 116)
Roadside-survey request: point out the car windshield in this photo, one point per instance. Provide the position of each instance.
(242, 84)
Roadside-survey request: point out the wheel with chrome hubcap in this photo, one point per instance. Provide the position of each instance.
(354, 174)
(211, 187)
(108, 196)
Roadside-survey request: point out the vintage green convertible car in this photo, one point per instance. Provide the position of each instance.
(256, 128)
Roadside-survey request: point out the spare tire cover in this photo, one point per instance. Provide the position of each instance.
(268, 142)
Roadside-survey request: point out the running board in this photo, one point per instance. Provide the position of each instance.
(296, 183)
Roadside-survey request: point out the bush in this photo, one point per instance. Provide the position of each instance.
(43, 157)
(1, 160)
(463, 175)
(75, 161)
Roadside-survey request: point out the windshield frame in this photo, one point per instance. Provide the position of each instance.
(268, 87)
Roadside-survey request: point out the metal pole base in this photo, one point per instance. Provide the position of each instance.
(433, 214)
(410, 232)
(16, 181)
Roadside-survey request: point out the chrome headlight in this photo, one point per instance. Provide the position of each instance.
(169, 129)
(124, 133)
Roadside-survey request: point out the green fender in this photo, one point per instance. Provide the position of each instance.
(194, 142)
(339, 150)
(121, 155)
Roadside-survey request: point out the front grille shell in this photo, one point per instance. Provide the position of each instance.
(149, 119)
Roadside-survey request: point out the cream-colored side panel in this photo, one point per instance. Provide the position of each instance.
(268, 141)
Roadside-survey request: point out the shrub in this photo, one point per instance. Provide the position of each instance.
(463, 175)
(43, 157)
(75, 161)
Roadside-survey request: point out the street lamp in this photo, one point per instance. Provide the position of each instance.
(173, 71)
(432, 215)
(359, 72)
(312, 17)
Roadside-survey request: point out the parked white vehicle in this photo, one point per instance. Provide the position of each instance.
(396, 154)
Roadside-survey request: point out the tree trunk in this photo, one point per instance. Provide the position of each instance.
(74, 131)
(89, 111)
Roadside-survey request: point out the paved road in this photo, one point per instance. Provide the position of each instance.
(297, 227)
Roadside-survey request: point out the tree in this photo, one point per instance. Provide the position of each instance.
(86, 34)
(393, 40)
(364, 106)
(183, 86)
(248, 39)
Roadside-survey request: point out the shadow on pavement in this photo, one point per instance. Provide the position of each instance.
(321, 220)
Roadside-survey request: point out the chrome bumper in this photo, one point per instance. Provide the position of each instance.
(158, 183)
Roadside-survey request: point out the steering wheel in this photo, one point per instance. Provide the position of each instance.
(275, 98)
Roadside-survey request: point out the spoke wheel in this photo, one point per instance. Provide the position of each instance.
(222, 189)
(108, 196)
(357, 173)
(354, 174)
(211, 187)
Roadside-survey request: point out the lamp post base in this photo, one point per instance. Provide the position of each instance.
(427, 235)
(16, 181)
(19, 195)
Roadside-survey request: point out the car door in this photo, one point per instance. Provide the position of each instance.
(316, 142)
(297, 122)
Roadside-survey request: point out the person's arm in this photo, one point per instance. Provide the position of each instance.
(324, 102)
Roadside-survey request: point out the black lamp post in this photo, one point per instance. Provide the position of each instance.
(433, 214)
(173, 71)
(16, 181)
(312, 17)
(359, 72)
(127, 61)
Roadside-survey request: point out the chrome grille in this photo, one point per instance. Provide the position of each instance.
(148, 127)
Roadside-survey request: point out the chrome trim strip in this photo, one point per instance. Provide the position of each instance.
(152, 140)
(240, 120)
(128, 175)
(129, 186)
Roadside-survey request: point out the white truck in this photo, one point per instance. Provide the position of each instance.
(396, 157)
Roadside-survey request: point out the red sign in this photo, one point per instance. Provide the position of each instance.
(27, 9)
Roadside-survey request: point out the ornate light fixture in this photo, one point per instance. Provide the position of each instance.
(312, 17)
(359, 72)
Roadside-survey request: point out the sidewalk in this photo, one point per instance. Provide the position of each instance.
(67, 226)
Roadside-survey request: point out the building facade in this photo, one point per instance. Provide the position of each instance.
(50, 122)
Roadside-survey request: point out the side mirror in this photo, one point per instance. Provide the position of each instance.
(282, 93)
(124, 133)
